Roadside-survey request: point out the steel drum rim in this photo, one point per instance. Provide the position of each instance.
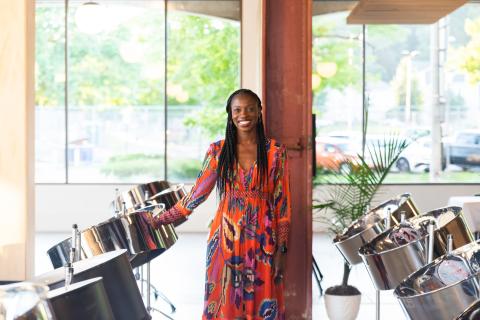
(172, 188)
(433, 291)
(457, 214)
(467, 310)
(54, 293)
(357, 235)
(405, 195)
(389, 250)
(428, 265)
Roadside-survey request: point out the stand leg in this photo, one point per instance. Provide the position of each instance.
(141, 282)
(148, 287)
(377, 304)
(162, 313)
(164, 298)
(317, 274)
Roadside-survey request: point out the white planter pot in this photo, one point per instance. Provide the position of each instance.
(342, 307)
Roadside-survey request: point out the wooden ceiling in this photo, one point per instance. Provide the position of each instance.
(324, 7)
(402, 11)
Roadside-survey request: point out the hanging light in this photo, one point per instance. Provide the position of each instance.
(327, 69)
(90, 18)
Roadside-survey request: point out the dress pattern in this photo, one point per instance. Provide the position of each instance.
(251, 220)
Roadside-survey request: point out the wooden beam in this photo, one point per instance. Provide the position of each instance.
(288, 118)
(17, 109)
(324, 7)
(402, 11)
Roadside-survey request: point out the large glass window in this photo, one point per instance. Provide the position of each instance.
(203, 69)
(399, 92)
(137, 92)
(337, 89)
(49, 93)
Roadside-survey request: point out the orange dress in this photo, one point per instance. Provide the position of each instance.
(243, 237)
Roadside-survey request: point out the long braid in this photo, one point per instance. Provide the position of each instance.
(262, 161)
(228, 155)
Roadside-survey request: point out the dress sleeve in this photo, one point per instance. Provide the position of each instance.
(281, 195)
(200, 191)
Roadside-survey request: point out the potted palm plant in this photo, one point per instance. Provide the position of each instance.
(347, 198)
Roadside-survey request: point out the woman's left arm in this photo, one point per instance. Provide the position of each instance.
(282, 210)
(281, 198)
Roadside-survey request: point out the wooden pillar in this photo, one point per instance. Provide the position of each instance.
(287, 96)
(16, 139)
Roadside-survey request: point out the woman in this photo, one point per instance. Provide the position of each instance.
(248, 238)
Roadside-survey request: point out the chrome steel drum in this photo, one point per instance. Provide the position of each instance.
(472, 312)
(393, 255)
(59, 253)
(169, 197)
(82, 300)
(134, 198)
(146, 242)
(118, 280)
(371, 224)
(131, 232)
(24, 301)
(443, 288)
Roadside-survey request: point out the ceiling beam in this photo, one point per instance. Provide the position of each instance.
(402, 11)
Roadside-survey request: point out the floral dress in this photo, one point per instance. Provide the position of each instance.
(249, 223)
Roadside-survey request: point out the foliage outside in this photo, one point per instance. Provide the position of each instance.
(133, 164)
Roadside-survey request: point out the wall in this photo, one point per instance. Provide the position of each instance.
(58, 206)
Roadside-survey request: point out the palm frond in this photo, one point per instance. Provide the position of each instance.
(351, 191)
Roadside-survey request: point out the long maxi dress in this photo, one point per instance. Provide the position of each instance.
(249, 223)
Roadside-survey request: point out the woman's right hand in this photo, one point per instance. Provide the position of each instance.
(170, 216)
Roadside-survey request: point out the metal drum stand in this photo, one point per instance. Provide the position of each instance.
(139, 275)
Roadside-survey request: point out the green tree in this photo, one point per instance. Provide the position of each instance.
(399, 84)
(204, 62)
(467, 57)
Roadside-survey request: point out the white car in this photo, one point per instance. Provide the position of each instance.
(416, 157)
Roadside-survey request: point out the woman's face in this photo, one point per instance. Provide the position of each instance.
(245, 112)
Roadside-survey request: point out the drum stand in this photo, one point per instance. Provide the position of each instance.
(156, 292)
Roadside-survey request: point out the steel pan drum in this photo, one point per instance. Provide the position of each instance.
(393, 255)
(24, 301)
(169, 197)
(131, 232)
(472, 312)
(120, 285)
(134, 198)
(371, 224)
(443, 288)
(82, 300)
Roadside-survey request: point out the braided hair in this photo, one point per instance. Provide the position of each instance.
(228, 155)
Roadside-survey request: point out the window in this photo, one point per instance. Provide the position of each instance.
(143, 90)
(397, 88)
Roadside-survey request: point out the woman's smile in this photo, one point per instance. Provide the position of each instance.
(245, 112)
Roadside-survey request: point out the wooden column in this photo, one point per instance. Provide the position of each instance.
(287, 97)
(16, 139)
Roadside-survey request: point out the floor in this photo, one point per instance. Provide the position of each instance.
(179, 274)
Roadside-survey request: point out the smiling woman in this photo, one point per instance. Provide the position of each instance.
(248, 237)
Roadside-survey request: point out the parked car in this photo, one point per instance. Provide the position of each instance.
(332, 153)
(416, 157)
(464, 150)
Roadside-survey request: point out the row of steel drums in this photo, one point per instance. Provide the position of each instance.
(103, 288)
(397, 258)
(103, 285)
(130, 229)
